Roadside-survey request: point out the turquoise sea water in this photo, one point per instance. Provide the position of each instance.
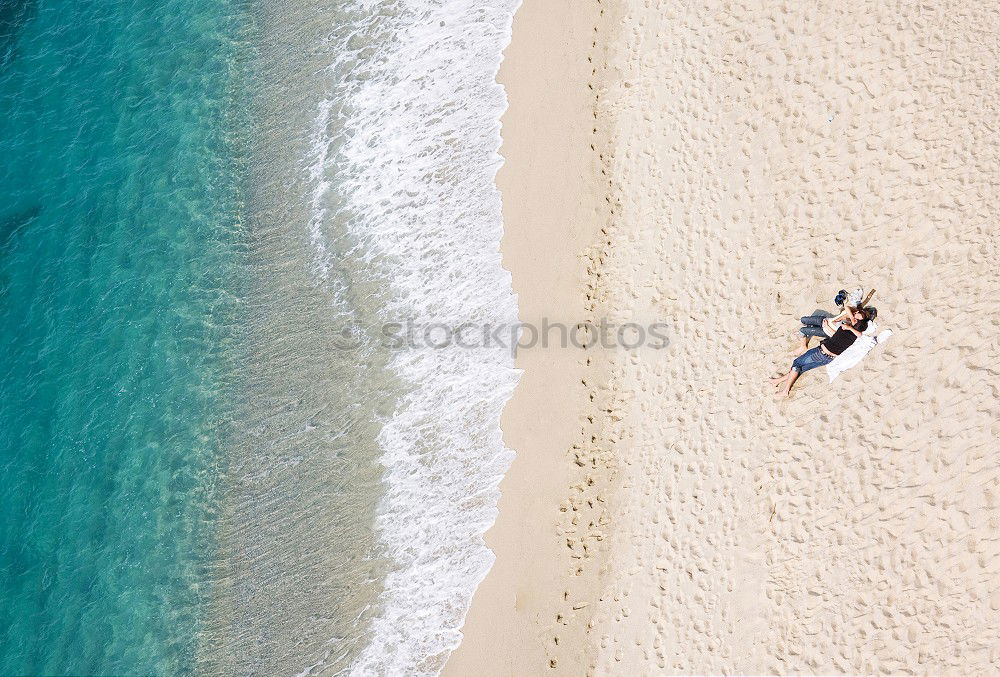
(197, 199)
(121, 269)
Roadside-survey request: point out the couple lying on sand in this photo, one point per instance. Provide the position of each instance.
(839, 334)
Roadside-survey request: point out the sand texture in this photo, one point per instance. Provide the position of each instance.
(751, 159)
(548, 535)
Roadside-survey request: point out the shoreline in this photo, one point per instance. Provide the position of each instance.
(522, 618)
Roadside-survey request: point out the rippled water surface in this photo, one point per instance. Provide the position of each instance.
(195, 199)
(121, 248)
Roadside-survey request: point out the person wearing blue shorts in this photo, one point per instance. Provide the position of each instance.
(823, 354)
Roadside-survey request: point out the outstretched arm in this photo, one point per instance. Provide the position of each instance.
(828, 327)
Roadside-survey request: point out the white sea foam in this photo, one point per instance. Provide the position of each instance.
(409, 168)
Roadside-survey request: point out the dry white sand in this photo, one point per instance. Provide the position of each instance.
(753, 158)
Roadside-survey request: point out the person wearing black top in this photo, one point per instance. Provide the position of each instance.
(824, 353)
(819, 324)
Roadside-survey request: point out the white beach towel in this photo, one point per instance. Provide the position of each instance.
(855, 353)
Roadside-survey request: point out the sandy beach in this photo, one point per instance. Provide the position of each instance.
(554, 209)
(725, 168)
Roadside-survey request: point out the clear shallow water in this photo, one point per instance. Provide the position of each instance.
(120, 272)
(195, 199)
